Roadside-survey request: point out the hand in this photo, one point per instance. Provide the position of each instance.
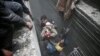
(29, 25)
(7, 52)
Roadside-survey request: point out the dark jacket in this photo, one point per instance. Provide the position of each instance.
(25, 9)
(7, 19)
(7, 16)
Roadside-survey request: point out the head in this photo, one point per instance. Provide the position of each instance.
(44, 17)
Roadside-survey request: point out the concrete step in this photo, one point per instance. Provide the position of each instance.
(86, 29)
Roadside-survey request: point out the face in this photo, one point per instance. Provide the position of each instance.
(44, 20)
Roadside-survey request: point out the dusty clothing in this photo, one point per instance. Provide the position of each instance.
(58, 47)
(51, 48)
(8, 19)
(15, 7)
(25, 9)
(70, 5)
(51, 30)
(7, 15)
(55, 49)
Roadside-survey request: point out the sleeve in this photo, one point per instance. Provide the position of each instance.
(54, 32)
(26, 10)
(42, 33)
(9, 16)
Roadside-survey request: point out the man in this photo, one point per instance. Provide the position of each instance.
(49, 28)
(10, 17)
(43, 20)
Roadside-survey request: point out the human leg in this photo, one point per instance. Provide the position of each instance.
(15, 7)
(6, 40)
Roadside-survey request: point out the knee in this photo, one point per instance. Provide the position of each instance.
(18, 9)
(18, 5)
(13, 5)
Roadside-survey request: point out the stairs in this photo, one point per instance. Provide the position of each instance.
(86, 30)
(76, 52)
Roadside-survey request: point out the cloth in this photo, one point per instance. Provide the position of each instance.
(25, 9)
(58, 47)
(52, 30)
(61, 5)
(51, 48)
(62, 54)
(8, 19)
(7, 15)
(15, 7)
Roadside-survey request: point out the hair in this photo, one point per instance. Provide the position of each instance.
(43, 17)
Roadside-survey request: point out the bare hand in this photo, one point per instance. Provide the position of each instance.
(29, 25)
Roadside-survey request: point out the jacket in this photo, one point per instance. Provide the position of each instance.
(9, 17)
(25, 9)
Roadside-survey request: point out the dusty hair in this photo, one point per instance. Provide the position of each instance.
(43, 17)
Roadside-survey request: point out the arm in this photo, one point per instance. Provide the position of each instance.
(54, 32)
(26, 10)
(42, 33)
(8, 16)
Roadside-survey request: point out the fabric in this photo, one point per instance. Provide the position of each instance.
(15, 7)
(48, 23)
(51, 48)
(25, 9)
(7, 14)
(58, 47)
(52, 30)
(8, 19)
(61, 5)
(62, 54)
(6, 34)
